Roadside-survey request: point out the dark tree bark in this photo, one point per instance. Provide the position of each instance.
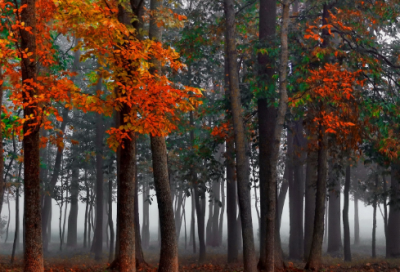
(266, 122)
(33, 252)
(215, 218)
(314, 259)
(393, 230)
(334, 222)
(296, 238)
(140, 262)
(110, 221)
(73, 213)
(209, 224)
(375, 204)
(346, 226)
(193, 222)
(221, 217)
(309, 211)
(231, 186)
(2, 182)
(385, 208)
(85, 231)
(16, 235)
(169, 247)
(242, 171)
(200, 212)
(146, 221)
(97, 245)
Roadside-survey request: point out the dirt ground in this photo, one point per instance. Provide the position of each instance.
(78, 260)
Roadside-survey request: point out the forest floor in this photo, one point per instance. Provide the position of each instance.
(79, 260)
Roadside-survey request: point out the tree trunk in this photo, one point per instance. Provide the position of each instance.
(73, 213)
(65, 214)
(273, 258)
(385, 210)
(242, 171)
(140, 262)
(193, 222)
(266, 123)
(314, 259)
(334, 222)
(231, 186)
(110, 221)
(169, 247)
(2, 182)
(97, 245)
(346, 227)
(16, 235)
(33, 252)
(356, 221)
(9, 217)
(297, 235)
(281, 198)
(309, 211)
(393, 230)
(146, 221)
(221, 217)
(209, 223)
(85, 231)
(375, 204)
(215, 219)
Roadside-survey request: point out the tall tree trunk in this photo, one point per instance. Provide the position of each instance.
(314, 259)
(85, 231)
(273, 253)
(297, 245)
(65, 214)
(215, 219)
(334, 222)
(169, 247)
(193, 222)
(140, 262)
(281, 198)
(266, 123)
(16, 235)
(97, 245)
(231, 186)
(33, 252)
(393, 230)
(72, 237)
(9, 217)
(200, 212)
(356, 221)
(346, 225)
(385, 209)
(2, 182)
(242, 171)
(221, 217)
(375, 204)
(309, 211)
(209, 223)
(110, 221)
(146, 221)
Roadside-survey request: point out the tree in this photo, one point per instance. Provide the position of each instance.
(33, 255)
(242, 171)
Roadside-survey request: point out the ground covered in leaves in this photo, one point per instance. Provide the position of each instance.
(80, 263)
(79, 260)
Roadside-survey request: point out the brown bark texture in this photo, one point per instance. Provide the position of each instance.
(346, 225)
(33, 253)
(393, 230)
(242, 171)
(266, 120)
